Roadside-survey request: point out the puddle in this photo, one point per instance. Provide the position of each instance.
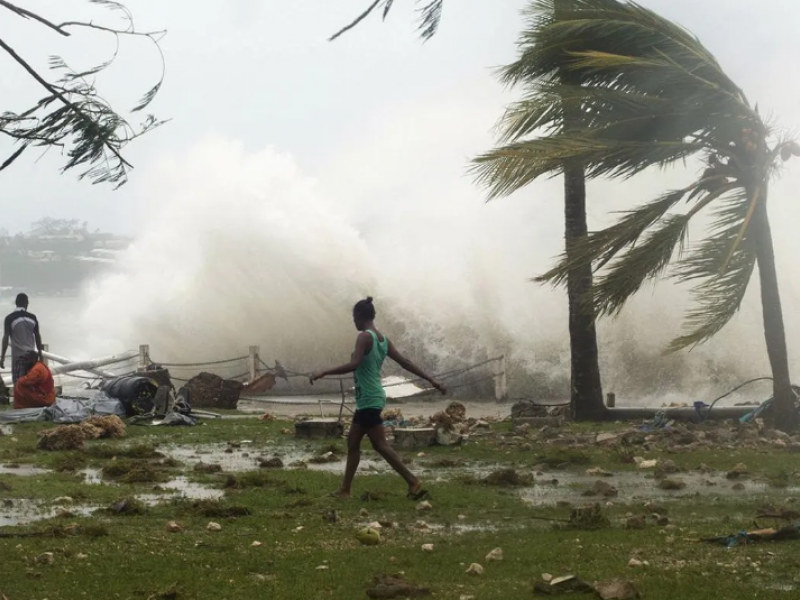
(24, 512)
(181, 488)
(554, 487)
(93, 477)
(246, 458)
(21, 470)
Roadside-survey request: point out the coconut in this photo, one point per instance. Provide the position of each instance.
(368, 536)
(786, 153)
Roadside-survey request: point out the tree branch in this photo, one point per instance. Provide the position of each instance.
(55, 92)
(357, 20)
(26, 14)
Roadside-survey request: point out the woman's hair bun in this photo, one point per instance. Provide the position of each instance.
(369, 299)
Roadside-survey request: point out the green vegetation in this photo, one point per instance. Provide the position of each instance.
(283, 536)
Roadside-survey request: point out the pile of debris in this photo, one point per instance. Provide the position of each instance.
(452, 425)
(73, 437)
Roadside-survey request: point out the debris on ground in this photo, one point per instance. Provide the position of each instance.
(111, 426)
(770, 534)
(456, 411)
(509, 478)
(270, 463)
(63, 437)
(588, 517)
(173, 527)
(475, 569)
(212, 526)
(566, 584)
(385, 587)
(127, 506)
(212, 391)
(424, 506)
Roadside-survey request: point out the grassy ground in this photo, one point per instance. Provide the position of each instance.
(277, 539)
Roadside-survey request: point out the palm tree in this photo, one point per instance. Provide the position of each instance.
(523, 118)
(648, 93)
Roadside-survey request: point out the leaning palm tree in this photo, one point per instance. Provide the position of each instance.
(648, 93)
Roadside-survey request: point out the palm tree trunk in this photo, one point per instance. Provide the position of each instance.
(783, 414)
(586, 397)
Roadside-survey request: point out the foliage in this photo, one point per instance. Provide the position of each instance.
(73, 115)
(430, 17)
(643, 92)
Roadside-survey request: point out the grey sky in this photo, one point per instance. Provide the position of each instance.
(261, 72)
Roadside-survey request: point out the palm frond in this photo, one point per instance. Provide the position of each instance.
(430, 17)
(509, 168)
(719, 293)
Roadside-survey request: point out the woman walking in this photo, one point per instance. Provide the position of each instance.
(372, 347)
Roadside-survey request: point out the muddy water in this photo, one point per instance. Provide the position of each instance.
(635, 487)
(21, 470)
(246, 458)
(24, 512)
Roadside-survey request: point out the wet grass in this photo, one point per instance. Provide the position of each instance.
(278, 527)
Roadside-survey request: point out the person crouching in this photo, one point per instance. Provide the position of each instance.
(35, 389)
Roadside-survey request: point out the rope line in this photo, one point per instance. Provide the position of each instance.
(200, 364)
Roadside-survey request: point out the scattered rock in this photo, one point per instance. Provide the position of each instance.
(637, 522)
(394, 586)
(424, 506)
(63, 500)
(604, 438)
(495, 555)
(738, 471)
(475, 569)
(212, 526)
(646, 464)
(173, 527)
(427, 547)
(601, 488)
(671, 484)
(616, 590)
(46, 558)
(738, 487)
(635, 563)
(509, 478)
(270, 463)
(202, 467)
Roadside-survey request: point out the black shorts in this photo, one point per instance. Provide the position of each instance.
(368, 417)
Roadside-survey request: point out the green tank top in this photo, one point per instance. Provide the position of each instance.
(369, 390)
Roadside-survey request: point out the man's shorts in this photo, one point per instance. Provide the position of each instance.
(18, 368)
(368, 417)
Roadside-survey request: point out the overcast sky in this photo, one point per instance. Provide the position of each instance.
(262, 73)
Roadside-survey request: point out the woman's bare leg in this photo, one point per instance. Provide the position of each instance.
(353, 458)
(377, 435)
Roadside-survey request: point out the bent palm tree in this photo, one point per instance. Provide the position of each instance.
(649, 94)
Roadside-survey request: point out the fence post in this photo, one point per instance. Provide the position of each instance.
(611, 400)
(500, 380)
(144, 357)
(45, 348)
(252, 362)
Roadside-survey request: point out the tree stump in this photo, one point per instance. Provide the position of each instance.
(318, 429)
(407, 438)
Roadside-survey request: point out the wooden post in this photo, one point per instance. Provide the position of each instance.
(144, 357)
(611, 400)
(252, 362)
(500, 380)
(45, 348)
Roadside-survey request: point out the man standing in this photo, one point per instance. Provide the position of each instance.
(22, 329)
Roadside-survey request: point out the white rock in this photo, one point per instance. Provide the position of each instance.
(634, 562)
(547, 577)
(475, 569)
(648, 464)
(63, 500)
(322, 568)
(173, 527)
(605, 437)
(427, 547)
(256, 544)
(214, 526)
(424, 506)
(496, 554)
(375, 525)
